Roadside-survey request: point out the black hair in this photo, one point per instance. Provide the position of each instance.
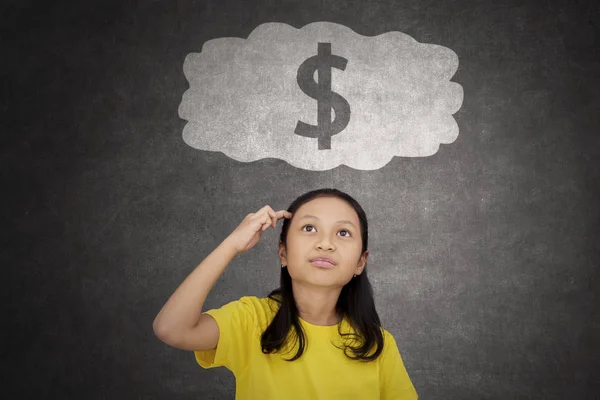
(355, 303)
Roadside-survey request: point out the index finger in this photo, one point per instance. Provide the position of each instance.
(283, 214)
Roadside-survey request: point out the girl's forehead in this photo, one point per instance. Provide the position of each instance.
(326, 209)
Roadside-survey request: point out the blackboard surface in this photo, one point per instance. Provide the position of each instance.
(484, 257)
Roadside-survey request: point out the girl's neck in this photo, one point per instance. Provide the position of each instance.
(316, 305)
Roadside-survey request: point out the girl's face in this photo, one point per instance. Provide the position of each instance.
(326, 227)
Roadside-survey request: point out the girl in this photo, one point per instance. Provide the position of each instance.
(317, 336)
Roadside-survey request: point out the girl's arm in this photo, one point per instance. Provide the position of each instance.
(180, 323)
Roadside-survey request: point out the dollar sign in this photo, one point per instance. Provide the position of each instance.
(326, 99)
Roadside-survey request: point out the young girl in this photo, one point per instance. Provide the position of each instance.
(318, 336)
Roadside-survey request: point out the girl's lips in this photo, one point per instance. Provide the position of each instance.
(322, 263)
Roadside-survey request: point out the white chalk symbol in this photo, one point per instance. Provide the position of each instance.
(320, 96)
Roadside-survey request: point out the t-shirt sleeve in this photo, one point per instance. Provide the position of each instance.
(394, 380)
(236, 321)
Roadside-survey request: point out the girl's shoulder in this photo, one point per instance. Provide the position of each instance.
(390, 346)
(263, 309)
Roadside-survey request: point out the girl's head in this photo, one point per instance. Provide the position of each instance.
(326, 223)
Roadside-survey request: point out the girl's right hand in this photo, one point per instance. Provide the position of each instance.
(248, 232)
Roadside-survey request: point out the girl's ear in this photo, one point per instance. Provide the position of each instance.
(282, 254)
(363, 260)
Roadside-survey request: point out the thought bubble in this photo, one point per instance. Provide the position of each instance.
(280, 93)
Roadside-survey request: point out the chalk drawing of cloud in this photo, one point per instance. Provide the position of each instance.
(245, 98)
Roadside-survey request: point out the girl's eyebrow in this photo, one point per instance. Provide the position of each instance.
(344, 221)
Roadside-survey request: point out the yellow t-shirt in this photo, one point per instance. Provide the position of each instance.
(322, 372)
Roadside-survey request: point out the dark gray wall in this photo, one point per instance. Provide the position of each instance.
(484, 257)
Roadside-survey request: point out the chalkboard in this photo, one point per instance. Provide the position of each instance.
(483, 254)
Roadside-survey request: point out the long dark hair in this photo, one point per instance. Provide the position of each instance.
(355, 303)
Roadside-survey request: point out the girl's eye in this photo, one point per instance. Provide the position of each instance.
(306, 226)
(341, 230)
